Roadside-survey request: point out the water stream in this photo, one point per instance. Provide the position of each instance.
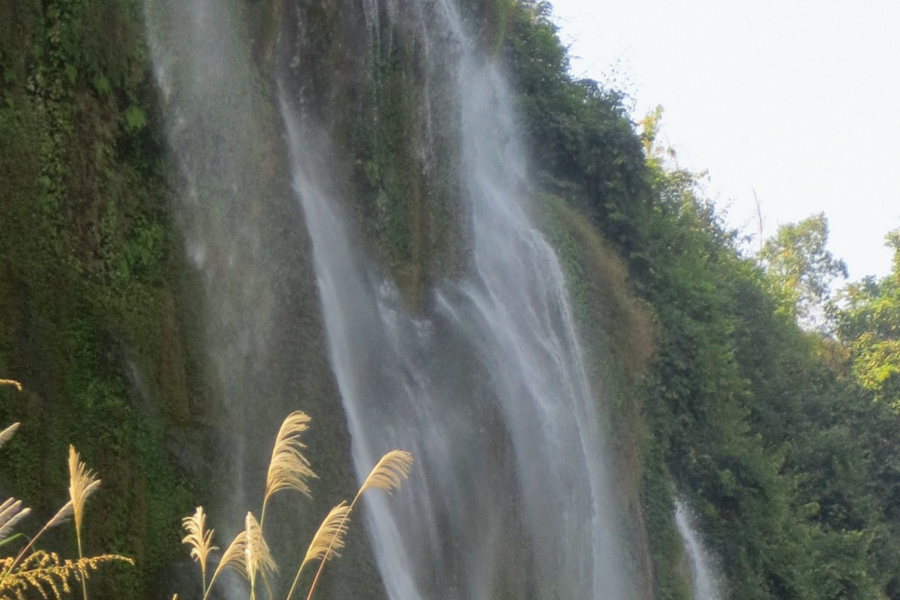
(487, 389)
(509, 497)
(707, 585)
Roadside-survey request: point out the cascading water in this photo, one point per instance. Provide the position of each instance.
(209, 119)
(487, 389)
(706, 582)
(242, 234)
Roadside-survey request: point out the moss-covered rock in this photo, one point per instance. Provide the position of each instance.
(90, 276)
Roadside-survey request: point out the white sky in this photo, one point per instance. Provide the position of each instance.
(798, 100)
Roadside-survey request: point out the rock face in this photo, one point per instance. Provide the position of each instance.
(164, 293)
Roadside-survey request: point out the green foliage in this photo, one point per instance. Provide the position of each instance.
(868, 321)
(135, 119)
(800, 267)
(580, 133)
(88, 275)
(767, 430)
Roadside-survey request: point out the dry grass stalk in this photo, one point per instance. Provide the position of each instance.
(82, 483)
(11, 382)
(48, 574)
(387, 474)
(249, 554)
(257, 556)
(328, 539)
(11, 512)
(9, 565)
(232, 557)
(8, 433)
(199, 539)
(288, 468)
(40, 570)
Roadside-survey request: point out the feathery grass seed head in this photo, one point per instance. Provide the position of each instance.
(198, 538)
(61, 515)
(8, 433)
(11, 512)
(257, 557)
(288, 468)
(390, 472)
(329, 539)
(233, 557)
(82, 483)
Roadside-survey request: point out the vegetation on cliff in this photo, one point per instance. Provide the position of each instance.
(88, 276)
(782, 438)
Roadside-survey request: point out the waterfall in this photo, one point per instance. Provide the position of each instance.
(241, 231)
(486, 386)
(706, 582)
(487, 389)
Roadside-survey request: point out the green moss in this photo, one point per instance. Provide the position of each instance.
(671, 570)
(88, 276)
(617, 336)
(366, 84)
(393, 167)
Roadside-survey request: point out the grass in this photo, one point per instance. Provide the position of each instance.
(249, 554)
(46, 572)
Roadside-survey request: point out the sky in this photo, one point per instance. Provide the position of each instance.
(795, 102)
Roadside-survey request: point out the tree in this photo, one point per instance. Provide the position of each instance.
(868, 321)
(801, 269)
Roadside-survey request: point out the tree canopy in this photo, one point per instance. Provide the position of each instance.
(801, 268)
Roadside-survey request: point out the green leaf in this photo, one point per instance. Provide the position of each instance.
(135, 119)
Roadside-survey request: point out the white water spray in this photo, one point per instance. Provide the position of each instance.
(487, 390)
(703, 573)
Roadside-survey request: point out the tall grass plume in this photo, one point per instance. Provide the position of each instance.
(387, 474)
(37, 570)
(199, 539)
(249, 554)
(288, 469)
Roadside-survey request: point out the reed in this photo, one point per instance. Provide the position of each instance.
(387, 474)
(329, 539)
(200, 540)
(38, 570)
(288, 468)
(257, 556)
(249, 554)
(82, 483)
(232, 557)
(7, 433)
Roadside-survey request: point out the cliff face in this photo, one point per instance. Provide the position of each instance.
(115, 321)
(119, 315)
(95, 320)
